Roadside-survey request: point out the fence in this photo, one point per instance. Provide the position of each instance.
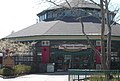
(93, 75)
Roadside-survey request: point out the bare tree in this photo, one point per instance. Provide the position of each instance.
(82, 24)
(105, 14)
(105, 21)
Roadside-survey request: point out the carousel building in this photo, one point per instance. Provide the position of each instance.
(58, 37)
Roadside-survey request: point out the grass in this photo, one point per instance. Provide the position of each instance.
(98, 78)
(102, 78)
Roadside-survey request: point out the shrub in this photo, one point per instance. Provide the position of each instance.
(22, 69)
(0, 72)
(7, 71)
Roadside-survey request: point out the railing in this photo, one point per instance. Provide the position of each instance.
(93, 75)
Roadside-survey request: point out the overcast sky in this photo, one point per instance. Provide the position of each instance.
(18, 14)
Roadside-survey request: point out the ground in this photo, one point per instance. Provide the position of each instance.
(38, 77)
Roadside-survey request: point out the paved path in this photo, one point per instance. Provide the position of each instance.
(38, 77)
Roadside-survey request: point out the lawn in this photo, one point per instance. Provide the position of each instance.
(103, 78)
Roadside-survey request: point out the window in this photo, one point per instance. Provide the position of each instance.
(75, 13)
(68, 12)
(45, 49)
(97, 15)
(111, 17)
(50, 14)
(54, 14)
(41, 18)
(45, 43)
(45, 16)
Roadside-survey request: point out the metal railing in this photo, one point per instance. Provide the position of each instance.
(93, 75)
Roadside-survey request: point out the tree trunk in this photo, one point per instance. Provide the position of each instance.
(108, 62)
(102, 36)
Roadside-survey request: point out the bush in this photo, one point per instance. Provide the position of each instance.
(0, 72)
(22, 69)
(6, 71)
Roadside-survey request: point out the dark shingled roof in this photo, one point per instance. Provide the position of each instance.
(63, 28)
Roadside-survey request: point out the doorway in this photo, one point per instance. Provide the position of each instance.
(67, 62)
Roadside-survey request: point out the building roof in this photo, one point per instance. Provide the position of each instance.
(77, 3)
(63, 28)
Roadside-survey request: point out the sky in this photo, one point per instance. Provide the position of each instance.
(18, 14)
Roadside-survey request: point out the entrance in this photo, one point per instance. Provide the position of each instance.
(63, 63)
(65, 60)
(59, 63)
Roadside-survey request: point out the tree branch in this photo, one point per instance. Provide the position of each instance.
(95, 2)
(109, 1)
(68, 4)
(50, 1)
(88, 40)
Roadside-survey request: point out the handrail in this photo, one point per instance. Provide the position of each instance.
(75, 74)
(88, 72)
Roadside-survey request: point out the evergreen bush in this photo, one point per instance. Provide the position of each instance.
(6, 71)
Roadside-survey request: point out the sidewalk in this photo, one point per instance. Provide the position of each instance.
(40, 77)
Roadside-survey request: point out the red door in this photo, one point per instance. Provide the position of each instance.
(45, 54)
